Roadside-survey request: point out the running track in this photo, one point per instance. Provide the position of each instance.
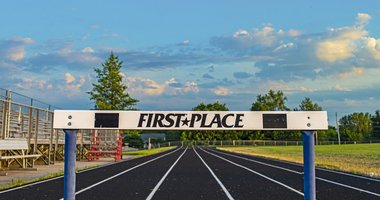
(201, 173)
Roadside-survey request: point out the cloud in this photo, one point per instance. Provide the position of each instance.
(64, 57)
(190, 86)
(69, 78)
(173, 83)
(363, 18)
(207, 76)
(339, 87)
(345, 41)
(221, 91)
(255, 40)
(340, 47)
(266, 36)
(284, 47)
(145, 86)
(184, 43)
(294, 33)
(356, 71)
(14, 49)
(373, 47)
(242, 75)
(72, 86)
(28, 83)
(88, 50)
(240, 33)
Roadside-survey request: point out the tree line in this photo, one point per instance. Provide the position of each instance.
(109, 93)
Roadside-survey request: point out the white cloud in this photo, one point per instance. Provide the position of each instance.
(354, 72)
(266, 36)
(26, 40)
(345, 42)
(294, 33)
(373, 47)
(340, 47)
(185, 42)
(339, 87)
(65, 50)
(137, 85)
(284, 46)
(222, 91)
(69, 78)
(16, 53)
(146, 86)
(190, 86)
(257, 39)
(34, 83)
(240, 33)
(363, 18)
(14, 49)
(73, 86)
(88, 50)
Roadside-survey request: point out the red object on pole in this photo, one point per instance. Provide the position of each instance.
(118, 149)
(105, 144)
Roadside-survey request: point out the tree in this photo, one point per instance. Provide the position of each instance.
(134, 140)
(208, 135)
(356, 126)
(273, 101)
(109, 93)
(211, 107)
(308, 105)
(376, 125)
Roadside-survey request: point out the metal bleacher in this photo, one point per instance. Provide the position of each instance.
(28, 121)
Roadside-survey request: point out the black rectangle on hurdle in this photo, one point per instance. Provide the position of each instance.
(275, 121)
(106, 120)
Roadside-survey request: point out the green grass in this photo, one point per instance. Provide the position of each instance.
(363, 159)
(147, 152)
(19, 182)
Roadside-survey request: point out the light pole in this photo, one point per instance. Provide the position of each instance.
(337, 126)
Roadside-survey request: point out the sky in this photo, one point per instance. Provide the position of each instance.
(177, 54)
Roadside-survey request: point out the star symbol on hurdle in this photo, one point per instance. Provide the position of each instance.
(185, 122)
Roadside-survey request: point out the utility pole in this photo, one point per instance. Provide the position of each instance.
(337, 126)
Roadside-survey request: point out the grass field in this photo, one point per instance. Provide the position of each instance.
(363, 159)
(146, 152)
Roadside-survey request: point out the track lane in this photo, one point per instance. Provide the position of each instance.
(150, 196)
(326, 187)
(53, 188)
(243, 184)
(191, 180)
(136, 184)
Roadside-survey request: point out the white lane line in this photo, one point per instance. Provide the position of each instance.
(347, 186)
(164, 177)
(255, 161)
(215, 177)
(262, 175)
(123, 172)
(327, 170)
(30, 184)
(321, 179)
(352, 175)
(58, 177)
